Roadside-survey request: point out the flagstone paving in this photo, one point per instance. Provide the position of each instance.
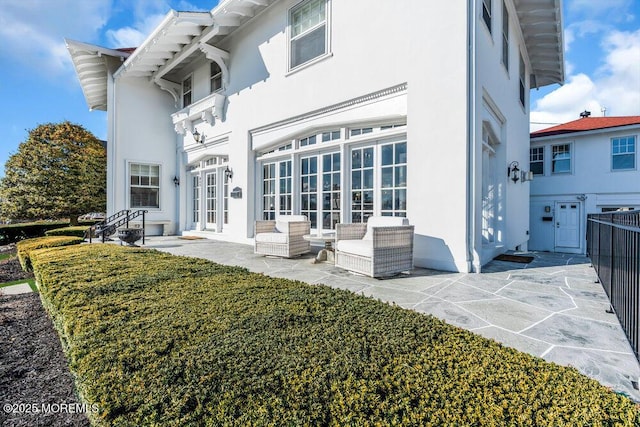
(552, 307)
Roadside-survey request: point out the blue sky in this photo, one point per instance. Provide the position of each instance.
(38, 83)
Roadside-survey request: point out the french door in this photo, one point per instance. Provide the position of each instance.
(210, 200)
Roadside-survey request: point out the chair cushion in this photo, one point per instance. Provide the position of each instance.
(356, 247)
(282, 222)
(271, 237)
(383, 221)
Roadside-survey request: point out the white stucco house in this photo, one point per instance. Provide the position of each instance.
(335, 109)
(589, 165)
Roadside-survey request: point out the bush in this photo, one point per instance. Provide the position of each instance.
(13, 233)
(155, 339)
(78, 231)
(26, 247)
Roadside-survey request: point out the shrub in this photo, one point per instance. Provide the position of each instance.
(26, 247)
(155, 339)
(13, 233)
(78, 231)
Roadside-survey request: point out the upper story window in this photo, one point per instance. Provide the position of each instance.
(308, 31)
(536, 160)
(623, 153)
(486, 13)
(186, 91)
(144, 181)
(522, 81)
(505, 36)
(561, 158)
(216, 77)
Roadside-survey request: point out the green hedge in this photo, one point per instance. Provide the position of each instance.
(155, 339)
(13, 233)
(78, 231)
(26, 247)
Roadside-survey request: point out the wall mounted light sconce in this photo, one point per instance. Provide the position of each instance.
(176, 181)
(513, 171)
(199, 138)
(527, 176)
(228, 173)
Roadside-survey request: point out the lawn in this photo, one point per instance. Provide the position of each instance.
(30, 282)
(156, 339)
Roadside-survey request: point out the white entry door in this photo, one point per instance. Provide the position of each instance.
(567, 225)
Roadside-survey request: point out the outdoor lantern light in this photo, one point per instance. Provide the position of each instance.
(197, 137)
(228, 173)
(513, 171)
(176, 181)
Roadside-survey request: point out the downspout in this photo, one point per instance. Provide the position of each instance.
(113, 146)
(473, 258)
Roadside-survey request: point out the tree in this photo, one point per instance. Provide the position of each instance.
(58, 172)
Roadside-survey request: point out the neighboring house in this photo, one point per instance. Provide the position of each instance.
(585, 166)
(335, 109)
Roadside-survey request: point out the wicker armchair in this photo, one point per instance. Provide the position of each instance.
(381, 247)
(282, 237)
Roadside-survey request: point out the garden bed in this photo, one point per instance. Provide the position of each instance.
(158, 339)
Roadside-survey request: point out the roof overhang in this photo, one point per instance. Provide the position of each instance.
(541, 24)
(184, 36)
(93, 65)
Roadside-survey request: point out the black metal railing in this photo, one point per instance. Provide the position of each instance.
(613, 244)
(106, 228)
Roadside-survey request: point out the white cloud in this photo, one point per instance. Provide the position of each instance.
(615, 85)
(133, 36)
(147, 14)
(33, 32)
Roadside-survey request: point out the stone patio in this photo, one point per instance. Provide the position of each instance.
(552, 307)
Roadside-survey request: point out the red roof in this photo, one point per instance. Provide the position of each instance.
(586, 124)
(126, 49)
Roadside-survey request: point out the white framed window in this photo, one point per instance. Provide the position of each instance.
(308, 32)
(187, 86)
(348, 181)
(505, 35)
(195, 199)
(536, 160)
(144, 185)
(215, 77)
(623, 153)
(561, 158)
(522, 81)
(486, 13)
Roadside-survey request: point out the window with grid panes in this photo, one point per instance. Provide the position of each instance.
(269, 191)
(505, 36)
(330, 190)
(196, 198)
(623, 153)
(561, 158)
(536, 160)
(309, 189)
(362, 183)
(393, 196)
(216, 77)
(308, 32)
(144, 186)
(186, 91)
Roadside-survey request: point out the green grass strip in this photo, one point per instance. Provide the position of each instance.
(30, 282)
(155, 339)
(6, 256)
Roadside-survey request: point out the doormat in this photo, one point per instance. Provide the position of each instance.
(522, 259)
(190, 237)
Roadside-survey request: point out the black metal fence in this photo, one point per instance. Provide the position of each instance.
(613, 244)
